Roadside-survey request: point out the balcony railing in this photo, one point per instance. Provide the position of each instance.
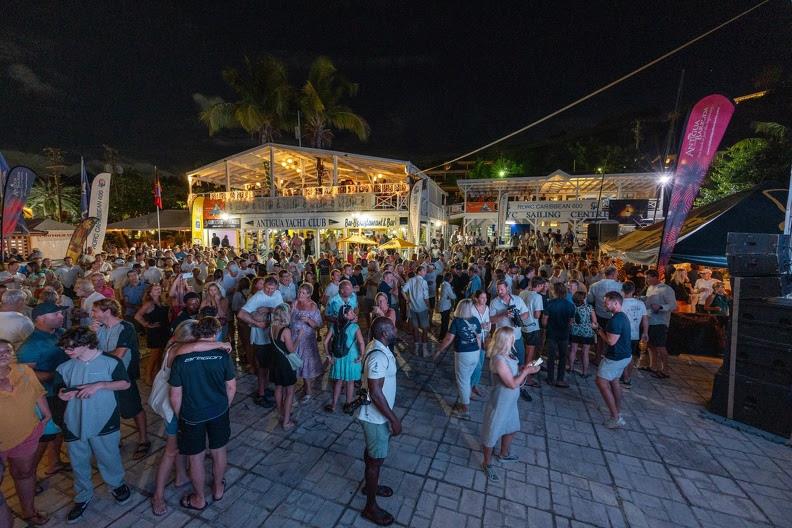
(365, 197)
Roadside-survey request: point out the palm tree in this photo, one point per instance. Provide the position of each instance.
(322, 103)
(262, 109)
(43, 200)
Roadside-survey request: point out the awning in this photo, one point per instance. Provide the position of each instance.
(170, 220)
(703, 236)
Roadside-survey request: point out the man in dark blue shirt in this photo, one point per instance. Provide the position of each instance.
(617, 338)
(557, 320)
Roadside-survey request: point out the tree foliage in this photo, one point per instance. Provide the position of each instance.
(765, 157)
(501, 167)
(322, 102)
(267, 105)
(43, 200)
(132, 194)
(263, 104)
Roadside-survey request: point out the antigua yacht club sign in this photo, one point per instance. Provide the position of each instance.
(320, 222)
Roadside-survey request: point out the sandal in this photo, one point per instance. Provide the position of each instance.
(380, 518)
(158, 512)
(58, 469)
(37, 519)
(329, 408)
(141, 451)
(490, 472)
(382, 491)
(186, 503)
(289, 426)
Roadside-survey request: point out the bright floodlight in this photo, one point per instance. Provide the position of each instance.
(501, 173)
(664, 179)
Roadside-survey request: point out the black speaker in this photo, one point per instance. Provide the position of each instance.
(758, 254)
(763, 359)
(603, 231)
(761, 287)
(767, 406)
(766, 320)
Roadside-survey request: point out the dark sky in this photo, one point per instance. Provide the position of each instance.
(435, 80)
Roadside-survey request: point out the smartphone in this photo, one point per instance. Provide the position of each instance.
(70, 389)
(187, 275)
(536, 362)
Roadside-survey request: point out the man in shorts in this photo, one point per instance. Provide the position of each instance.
(596, 296)
(531, 332)
(119, 338)
(376, 417)
(618, 354)
(203, 385)
(660, 302)
(255, 313)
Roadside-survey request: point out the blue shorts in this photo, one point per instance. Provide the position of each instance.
(519, 350)
(172, 427)
(610, 369)
(377, 437)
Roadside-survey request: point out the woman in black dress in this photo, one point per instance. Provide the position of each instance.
(153, 316)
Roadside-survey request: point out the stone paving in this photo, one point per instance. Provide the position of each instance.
(670, 466)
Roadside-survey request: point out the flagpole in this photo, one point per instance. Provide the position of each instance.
(156, 205)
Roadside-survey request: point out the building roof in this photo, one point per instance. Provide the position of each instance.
(47, 224)
(170, 220)
(300, 166)
(559, 182)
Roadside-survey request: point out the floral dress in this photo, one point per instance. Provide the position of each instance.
(581, 326)
(307, 347)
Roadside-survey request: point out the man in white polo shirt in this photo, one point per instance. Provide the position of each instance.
(376, 416)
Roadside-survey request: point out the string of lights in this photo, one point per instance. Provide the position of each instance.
(601, 89)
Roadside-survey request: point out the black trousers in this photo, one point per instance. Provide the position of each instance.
(556, 354)
(445, 317)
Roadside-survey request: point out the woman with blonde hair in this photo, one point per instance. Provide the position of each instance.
(153, 316)
(465, 332)
(306, 319)
(214, 297)
(282, 374)
(501, 416)
(382, 308)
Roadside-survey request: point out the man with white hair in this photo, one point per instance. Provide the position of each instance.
(704, 285)
(12, 278)
(15, 327)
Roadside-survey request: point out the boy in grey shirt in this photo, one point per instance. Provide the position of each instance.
(87, 382)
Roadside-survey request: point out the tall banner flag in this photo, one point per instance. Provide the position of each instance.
(704, 131)
(97, 207)
(4, 168)
(414, 218)
(84, 190)
(197, 220)
(157, 191)
(16, 189)
(503, 207)
(79, 237)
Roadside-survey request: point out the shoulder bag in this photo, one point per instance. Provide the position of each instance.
(295, 361)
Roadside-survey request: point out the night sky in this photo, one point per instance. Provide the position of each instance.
(435, 81)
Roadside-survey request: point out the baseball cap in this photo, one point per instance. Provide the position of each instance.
(44, 309)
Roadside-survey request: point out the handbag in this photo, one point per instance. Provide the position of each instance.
(159, 399)
(295, 361)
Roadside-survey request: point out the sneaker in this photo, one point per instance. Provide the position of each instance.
(614, 423)
(508, 458)
(77, 511)
(122, 494)
(621, 422)
(626, 384)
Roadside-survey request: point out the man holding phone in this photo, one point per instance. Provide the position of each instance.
(618, 354)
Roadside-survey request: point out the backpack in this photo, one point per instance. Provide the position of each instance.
(338, 346)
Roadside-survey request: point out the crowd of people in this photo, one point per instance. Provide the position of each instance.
(71, 334)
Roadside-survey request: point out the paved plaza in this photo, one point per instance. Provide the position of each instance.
(671, 466)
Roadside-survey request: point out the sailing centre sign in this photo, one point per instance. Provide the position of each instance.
(554, 211)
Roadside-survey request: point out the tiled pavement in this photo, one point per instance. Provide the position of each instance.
(669, 467)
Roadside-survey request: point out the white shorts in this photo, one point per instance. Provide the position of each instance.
(610, 369)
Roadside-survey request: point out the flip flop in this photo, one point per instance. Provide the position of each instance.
(381, 518)
(382, 491)
(329, 408)
(141, 451)
(186, 503)
(62, 467)
(37, 519)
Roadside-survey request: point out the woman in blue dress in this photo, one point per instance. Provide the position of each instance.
(346, 357)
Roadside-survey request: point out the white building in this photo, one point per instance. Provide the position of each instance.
(262, 192)
(556, 201)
